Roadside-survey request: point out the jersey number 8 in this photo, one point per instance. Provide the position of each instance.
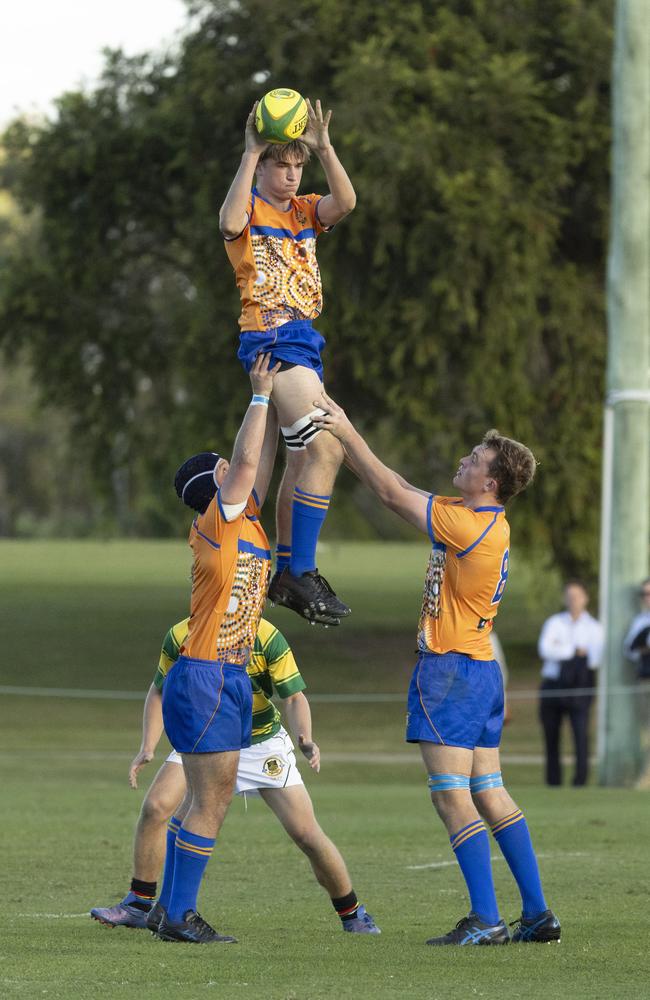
(503, 578)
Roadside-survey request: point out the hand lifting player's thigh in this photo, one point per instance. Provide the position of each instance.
(295, 397)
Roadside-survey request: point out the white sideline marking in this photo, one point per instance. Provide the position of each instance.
(496, 857)
(54, 916)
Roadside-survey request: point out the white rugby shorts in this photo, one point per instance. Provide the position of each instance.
(270, 764)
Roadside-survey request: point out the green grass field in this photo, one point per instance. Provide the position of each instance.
(92, 616)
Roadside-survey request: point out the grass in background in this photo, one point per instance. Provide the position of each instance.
(92, 615)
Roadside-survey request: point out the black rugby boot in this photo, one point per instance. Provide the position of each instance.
(472, 930)
(542, 929)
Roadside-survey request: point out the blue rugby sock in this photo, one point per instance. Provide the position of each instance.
(168, 871)
(191, 856)
(471, 846)
(513, 837)
(282, 557)
(307, 516)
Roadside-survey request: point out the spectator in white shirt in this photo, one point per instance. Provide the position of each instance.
(571, 647)
(637, 640)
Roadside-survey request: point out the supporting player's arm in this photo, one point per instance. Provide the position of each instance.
(410, 504)
(298, 715)
(152, 730)
(242, 472)
(267, 458)
(342, 197)
(400, 479)
(233, 217)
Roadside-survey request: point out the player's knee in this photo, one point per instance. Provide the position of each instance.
(157, 809)
(325, 450)
(306, 836)
(489, 795)
(448, 792)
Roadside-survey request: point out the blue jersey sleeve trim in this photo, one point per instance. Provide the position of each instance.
(255, 497)
(429, 525)
(210, 541)
(459, 555)
(244, 546)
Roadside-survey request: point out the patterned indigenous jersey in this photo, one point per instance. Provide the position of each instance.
(230, 575)
(271, 667)
(466, 577)
(274, 260)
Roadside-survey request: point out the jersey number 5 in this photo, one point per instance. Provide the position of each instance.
(503, 578)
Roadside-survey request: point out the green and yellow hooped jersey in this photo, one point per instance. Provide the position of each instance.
(272, 667)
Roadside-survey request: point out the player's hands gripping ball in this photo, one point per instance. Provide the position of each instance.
(281, 115)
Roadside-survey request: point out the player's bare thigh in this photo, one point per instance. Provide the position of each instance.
(292, 806)
(440, 759)
(295, 393)
(211, 780)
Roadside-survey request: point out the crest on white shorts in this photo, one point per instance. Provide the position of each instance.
(273, 767)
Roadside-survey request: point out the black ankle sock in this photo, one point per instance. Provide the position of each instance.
(346, 906)
(146, 893)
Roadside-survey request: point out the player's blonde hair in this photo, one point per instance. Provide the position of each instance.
(296, 150)
(513, 465)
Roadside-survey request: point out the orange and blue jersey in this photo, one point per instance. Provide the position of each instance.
(274, 259)
(466, 577)
(230, 576)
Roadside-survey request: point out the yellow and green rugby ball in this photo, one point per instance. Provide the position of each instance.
(281, 115)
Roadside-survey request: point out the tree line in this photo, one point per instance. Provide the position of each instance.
(465, 291)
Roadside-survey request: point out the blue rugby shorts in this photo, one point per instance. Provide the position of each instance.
(207, 706)
(455, 701)
(296, 343)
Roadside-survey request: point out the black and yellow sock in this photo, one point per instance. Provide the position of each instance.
(144, 894)
(346, 906)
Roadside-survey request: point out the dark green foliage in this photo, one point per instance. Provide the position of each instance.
(464, 292)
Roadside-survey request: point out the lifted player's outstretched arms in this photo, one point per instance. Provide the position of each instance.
(342, 198)
(247, 452)
(392, 490)
(233, 217)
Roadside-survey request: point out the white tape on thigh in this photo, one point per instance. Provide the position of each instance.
(302, 432)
